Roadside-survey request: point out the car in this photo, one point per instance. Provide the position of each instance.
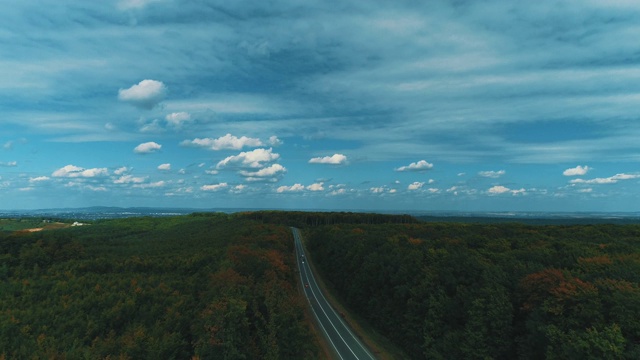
(306, 285)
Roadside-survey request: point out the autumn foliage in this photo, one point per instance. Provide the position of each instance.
(490, 291)
(207, 286)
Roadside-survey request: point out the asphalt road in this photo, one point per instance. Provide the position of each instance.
(344, 342)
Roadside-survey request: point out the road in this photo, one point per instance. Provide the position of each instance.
(344, 342)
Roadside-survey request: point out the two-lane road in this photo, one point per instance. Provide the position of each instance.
(344, 342)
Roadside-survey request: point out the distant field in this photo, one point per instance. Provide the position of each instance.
(34, 224)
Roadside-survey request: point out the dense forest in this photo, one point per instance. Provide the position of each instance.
(219, 286)
(206, 286)
(490, 291)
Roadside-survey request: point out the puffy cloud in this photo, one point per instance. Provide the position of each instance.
(9, 164)
(377, 190)
(421, 165)
(250, 159)
(214, 187)
(267, 172)
(121, 170)
(238, 188)
(177, 118)
(128, 179)
(576, 171)
(415, 185)
(274, 141)
(164, 167)
(73, 171)
(492, 174)
(147, 148)
(609, 180)
(227, 142)
(498, 189)
(335, 159)
(146, 94)
(292, 188)
(433, 190)
(316, 187)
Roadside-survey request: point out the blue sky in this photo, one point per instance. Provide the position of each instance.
(447, 105)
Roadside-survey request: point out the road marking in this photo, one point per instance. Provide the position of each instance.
(298, 245)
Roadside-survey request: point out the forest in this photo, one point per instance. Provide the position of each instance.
(489, 291)
(223, 286)
(205, 286)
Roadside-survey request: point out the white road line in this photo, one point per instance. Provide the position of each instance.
(298, 246)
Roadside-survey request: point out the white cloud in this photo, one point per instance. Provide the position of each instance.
(433, 190)
(576, 171)
(227, 142)
(421, 165)
(250, 159)
(492, 174)
(609, 180)
(587, 190)
(625, 176)
(177, 118)
(214, 187)
(274, 141)
(415, 185)
(95, 188)
(238, 188)
(164, 167)
(147, 148)
(72, 184)
(156, 184)
(146, 94)
(335, 159)
(38, 179)
(292, 188)
(212, 172)
(9, 164)
(128, 179)
(267, 172)
(498, 189)
(72, 171)
(316, 187)
(377, 190)
(121, 170)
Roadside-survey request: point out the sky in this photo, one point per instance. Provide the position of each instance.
(348, 105)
